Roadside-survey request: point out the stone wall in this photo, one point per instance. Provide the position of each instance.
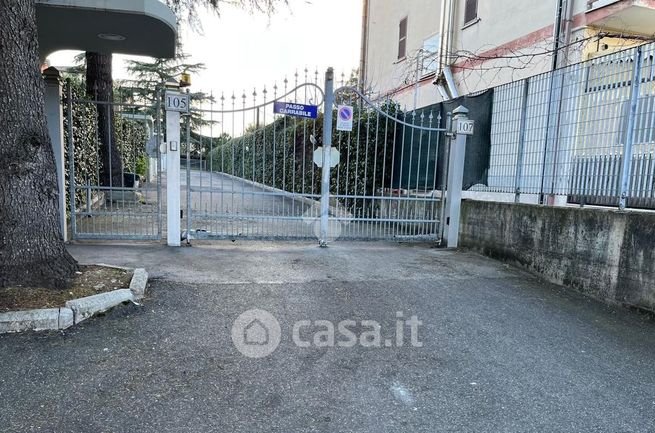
(607, 254)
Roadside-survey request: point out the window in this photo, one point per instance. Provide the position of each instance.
(470, 11)
(402, 39)
(429, 55)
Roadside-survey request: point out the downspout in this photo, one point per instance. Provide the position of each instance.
(567, 28)
(442, 37)
(557, 44)
(557, 34)
(445, 75)
(364, 47)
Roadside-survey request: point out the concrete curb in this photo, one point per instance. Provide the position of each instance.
(139, 282)
(76, 310)
(84, 308)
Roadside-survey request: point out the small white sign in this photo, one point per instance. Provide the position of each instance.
(335, 157)
(177, 102)
(465, 127)
(345, 114)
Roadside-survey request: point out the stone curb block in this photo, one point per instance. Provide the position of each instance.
(45, 319)
(122, 268)
(139, 282)
(77, 310)
(66, 318)
(84, 308)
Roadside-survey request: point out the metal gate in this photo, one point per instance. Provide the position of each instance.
(386, 185)
(114, 168)
(252, 172)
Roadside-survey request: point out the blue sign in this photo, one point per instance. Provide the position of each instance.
(297, 110)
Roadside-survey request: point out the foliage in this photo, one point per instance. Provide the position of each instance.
(281, 155)
(149, 78)
(187, 10)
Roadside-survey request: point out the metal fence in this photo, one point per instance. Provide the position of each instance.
(112, 150)
(584, 133)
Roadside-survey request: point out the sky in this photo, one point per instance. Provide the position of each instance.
(243, 51)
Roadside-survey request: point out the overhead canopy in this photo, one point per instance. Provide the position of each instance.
(626, 17)
(139, 27)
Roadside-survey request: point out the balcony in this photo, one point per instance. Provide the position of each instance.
(140, 27)
(622, 16)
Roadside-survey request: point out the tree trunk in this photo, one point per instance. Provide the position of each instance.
(100, 87)
(32, 251)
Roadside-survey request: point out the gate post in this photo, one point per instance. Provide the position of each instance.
(173, 177)
(327, 145)
(455, 177)
(55, 117)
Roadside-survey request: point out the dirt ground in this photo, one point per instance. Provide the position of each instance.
(90, 280)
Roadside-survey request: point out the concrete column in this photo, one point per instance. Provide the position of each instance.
(55, 118)
(455, 180)
(173, 178)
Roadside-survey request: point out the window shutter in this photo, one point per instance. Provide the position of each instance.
(402, 39)
(470, 11)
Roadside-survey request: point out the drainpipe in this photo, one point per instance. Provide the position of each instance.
(561, 39)
(364, 48)
(444, 79)
(442, 36)
(557, 33)
(567, 30)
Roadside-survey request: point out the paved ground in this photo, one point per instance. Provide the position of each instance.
(502, 351)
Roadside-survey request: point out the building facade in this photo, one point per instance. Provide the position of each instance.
(424, 51)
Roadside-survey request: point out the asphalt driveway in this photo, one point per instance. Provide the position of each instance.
(501, 350)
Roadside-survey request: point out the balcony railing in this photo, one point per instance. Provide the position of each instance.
(595, 4)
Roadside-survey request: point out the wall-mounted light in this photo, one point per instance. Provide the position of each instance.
(185, 79)
(111, 37)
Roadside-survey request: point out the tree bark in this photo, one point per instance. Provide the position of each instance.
(100, 87)
(32, 251)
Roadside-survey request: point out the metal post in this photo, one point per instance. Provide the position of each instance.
(444, 177)
(455, 179)
(71, 157)
(159, 93)
(626, 167)
(522, 124)
(188, 176)
(327, 150)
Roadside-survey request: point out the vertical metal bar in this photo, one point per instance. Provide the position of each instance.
(159, 174)
(327, 144)
(71, 157)
(630, 130)
(444, 176)
(522, 123)
(189, 196)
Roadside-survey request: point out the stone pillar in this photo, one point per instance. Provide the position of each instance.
(55, 118)
(455, 177)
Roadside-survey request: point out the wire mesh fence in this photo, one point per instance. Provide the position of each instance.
(584, 133)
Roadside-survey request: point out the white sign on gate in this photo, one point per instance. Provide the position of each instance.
(345, 115)
(335, 157)
(177, 102)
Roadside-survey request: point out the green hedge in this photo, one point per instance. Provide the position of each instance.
(285, 146)
(130, 138)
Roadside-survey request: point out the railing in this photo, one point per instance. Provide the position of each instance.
(595, 4)
(564, 133)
